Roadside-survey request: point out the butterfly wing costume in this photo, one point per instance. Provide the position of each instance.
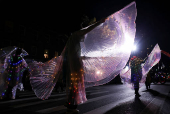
(89, 58)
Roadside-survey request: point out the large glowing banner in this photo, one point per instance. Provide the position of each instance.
(153, 58)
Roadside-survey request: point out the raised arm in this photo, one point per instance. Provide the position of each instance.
(91, 27)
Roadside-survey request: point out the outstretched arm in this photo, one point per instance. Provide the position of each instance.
(91, 27)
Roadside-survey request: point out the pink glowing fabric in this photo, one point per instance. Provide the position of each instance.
(153, 58)
(10, 74)
(101, 56)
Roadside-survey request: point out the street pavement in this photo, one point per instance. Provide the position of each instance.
(105, 99)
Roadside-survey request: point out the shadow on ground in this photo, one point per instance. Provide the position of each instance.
(136, 105)
(132, 107)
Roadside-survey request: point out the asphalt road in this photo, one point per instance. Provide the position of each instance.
(106, 99)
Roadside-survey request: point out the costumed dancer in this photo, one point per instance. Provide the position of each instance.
(148, 80)
(73, 67)
(15, 72)
(135, 77)
(136, 73)
(14, 65)
(92, 56)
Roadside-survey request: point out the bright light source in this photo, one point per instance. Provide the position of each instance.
(126, 68)
(128, 44)
(99, 72)
(134, 48)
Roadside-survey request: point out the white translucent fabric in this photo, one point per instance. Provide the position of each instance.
(96, 61)
(6, 52)
(153, 58)
(44, 76)
(107, 48)
(11, 50)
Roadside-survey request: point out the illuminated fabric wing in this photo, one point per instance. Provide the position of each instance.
(44, 76)
(103, 54)
(106, 49)
(3, 78)
(11, 50)
(6, 52)
(153, 58)
(125, 76)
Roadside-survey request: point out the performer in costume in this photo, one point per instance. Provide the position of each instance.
(15, 72)
(73, 67)
(135, 77)
(136, 73)
(14, 65)
(148, 81)
(92, 56)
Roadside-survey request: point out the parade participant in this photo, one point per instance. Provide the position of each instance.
(136, 73)
(15, 72)
(14, 65)
(74, 68)
(148, 81)
(135, 76)
(92, 56)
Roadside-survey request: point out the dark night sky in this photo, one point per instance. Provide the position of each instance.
(152, 22)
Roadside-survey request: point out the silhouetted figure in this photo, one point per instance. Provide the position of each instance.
(136, 73)
(148, 81)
